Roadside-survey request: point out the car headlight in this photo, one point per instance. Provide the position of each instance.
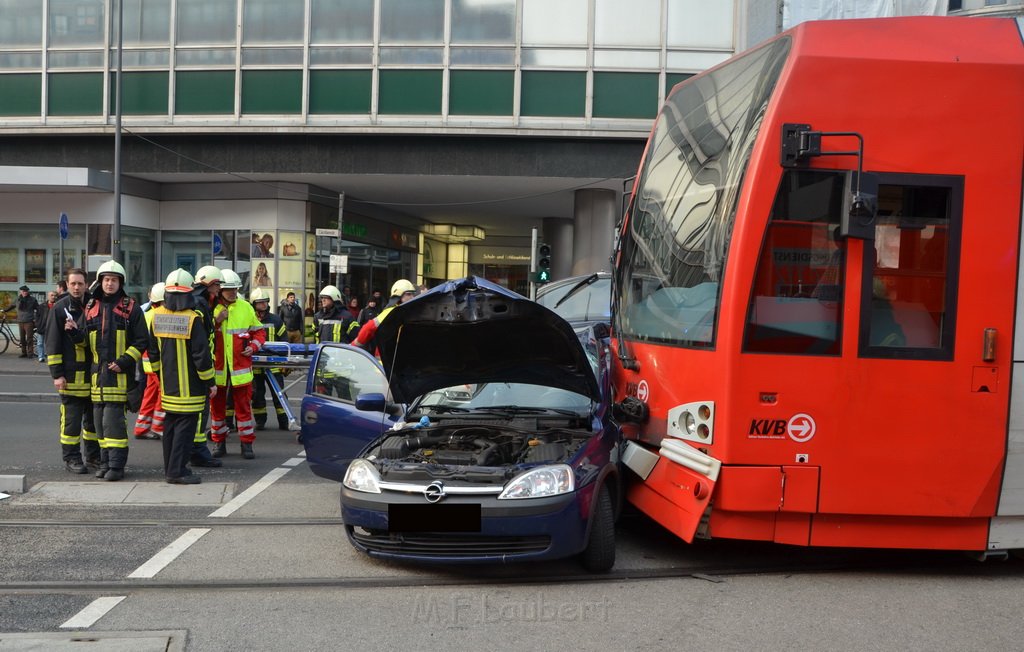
(362, 476)
(541, 482)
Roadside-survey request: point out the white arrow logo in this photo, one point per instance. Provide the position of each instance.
(801, 427)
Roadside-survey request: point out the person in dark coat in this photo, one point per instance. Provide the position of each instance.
(28, 308)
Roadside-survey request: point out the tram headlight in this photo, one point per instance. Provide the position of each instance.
(689, 423)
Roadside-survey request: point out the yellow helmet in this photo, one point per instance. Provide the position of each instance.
(111, 267)
(156, 293)
(332, 293)
(179, 281)
(259, 294)
(402, 286)
(230, 280)
(208, 274)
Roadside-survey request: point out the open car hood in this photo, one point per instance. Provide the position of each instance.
(474, 331)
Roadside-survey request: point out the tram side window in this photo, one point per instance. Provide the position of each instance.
(797, 299)
(908, 297)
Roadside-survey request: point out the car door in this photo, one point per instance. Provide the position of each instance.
(333, 430)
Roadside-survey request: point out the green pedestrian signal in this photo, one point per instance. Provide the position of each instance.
(543, 274)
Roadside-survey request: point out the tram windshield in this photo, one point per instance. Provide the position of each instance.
(676, 245)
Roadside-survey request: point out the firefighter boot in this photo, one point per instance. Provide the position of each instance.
(247, 451)
(104, 463)
(201, 456)
(73, 459)
(220, 448)
(117, 459)
(282, 423)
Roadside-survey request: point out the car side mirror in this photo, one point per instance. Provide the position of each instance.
(376, 402)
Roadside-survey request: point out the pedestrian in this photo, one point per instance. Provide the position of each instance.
(353, 308)
(27, 307)
(41, 316)
(205, 295)
(334, 323)
(179, 353)
(61, 289)
(275, 332)
(116, 333)
(291, 314)
(369, 312)
(238, 335)
(69, 364)
(401, 291)
(149, 424)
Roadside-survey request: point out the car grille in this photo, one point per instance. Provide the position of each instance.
(447, 545)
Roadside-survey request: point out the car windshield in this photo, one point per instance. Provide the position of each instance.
(590, 303)
(503, 396)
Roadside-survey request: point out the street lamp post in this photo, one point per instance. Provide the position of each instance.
(115, 234)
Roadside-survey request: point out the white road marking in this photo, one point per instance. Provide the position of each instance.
(96, 610)
(168, 554)
(295, 461)
(250, 493)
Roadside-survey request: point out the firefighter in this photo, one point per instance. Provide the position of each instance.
(401, 291)
(179, 353)
(67, 358)
(276, 332)
(205, 292)
(116, 335)
(334, 323)
(149, 424)
(239, 334)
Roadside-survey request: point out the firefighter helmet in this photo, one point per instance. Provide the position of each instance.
(111, 267)
(179, 281)
(402, 286)
(156, 293)
(230, 280)
(208, 274)
(332, 293)
(259, 294)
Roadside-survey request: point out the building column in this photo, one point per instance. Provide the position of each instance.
(594, 212)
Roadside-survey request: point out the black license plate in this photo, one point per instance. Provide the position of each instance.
(434, 518)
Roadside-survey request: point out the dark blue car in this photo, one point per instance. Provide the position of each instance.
(485, 435)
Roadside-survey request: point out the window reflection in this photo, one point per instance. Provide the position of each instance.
(206, 21)
(411, 21)
(550, 22)
(342, 21)
(483, 21)
(146, 22)
(76, 22)
(21, 23)
(637, 22)
(273, 21)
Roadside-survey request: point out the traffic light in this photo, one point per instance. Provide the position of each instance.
(543, 263)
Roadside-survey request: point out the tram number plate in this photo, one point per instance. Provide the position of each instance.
(433, 518)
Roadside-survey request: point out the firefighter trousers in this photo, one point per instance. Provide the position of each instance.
(112, 429)
(243, 414)
(179, 433)
(77, 430)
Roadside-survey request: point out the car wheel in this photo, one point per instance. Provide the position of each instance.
(599, 555)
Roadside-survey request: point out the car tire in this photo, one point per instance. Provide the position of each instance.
(599, 555)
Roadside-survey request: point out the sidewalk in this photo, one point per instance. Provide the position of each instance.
(35, 373)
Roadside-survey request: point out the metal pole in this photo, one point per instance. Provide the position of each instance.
(337, 242)
(115, 234)
(533, 263)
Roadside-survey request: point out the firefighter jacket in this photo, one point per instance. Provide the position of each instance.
(67, 352)
(275, 332)
(240, 331)
(116, 332)
(334, 325)
(179, 352)
(367, 337)
(200, 297)
(147, 365)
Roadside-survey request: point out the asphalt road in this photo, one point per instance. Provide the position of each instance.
(277, 573)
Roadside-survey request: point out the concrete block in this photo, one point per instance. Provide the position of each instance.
(12, 484)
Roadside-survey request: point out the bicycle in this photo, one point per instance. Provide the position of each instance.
(7, 334)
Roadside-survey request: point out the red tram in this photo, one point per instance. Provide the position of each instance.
(818, 307)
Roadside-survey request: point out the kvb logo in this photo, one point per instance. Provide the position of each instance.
(799, 428)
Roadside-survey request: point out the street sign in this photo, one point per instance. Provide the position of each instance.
(327, 233)
(63, 226)
(218, 244)
(339, 264)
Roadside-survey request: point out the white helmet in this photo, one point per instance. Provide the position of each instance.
(230, 280)
(156, 293)
(402, 286)
(332, 293)
(179, 281)
(259, 294)
(111, 267)
(208, 274)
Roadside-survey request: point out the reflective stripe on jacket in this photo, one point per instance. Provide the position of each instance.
(67, 353)
(180, 356)
(116, 332)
